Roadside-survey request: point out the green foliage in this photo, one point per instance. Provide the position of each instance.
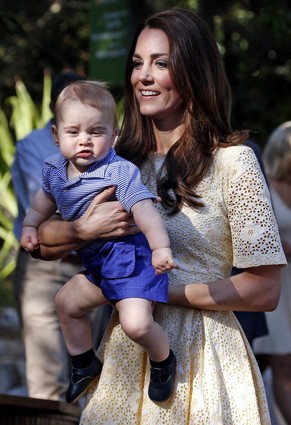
(25, 116)
(6, 142)
(254, 38)
(36, 35)
(8, 207)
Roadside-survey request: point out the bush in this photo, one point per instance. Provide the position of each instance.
(25, 116)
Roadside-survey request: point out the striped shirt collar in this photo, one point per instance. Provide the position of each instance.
(97, 169)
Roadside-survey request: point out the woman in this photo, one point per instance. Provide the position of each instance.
(217, 210)
(274, 349)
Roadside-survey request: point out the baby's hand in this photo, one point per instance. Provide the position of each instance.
(29, 240)
(162, 260)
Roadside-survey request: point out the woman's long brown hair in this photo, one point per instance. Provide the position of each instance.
(198, 74)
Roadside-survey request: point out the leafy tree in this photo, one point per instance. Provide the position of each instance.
(254, 36)
(50, 34)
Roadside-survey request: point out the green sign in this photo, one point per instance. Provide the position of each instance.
(109, 40)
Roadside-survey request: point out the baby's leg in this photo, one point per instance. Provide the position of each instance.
(136, 319)
(74, 300)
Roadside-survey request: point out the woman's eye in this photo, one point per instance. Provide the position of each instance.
(136, 64)
(162, 64)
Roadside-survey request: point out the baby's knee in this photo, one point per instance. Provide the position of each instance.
(136, 331)
(65, 305)
(60, 301)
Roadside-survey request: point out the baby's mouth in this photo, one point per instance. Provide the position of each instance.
(84, 154)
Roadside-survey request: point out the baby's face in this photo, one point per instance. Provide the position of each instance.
(84, 134)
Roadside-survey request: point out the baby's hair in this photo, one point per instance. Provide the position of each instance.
(91, 93)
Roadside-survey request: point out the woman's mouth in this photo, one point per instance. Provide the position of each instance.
(149, 93)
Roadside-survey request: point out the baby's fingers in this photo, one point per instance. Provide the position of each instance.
(173, 264)
(32, 246)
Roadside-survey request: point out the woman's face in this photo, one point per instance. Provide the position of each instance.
(151, 79)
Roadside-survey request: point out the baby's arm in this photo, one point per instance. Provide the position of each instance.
(42, 207)
(149, 221)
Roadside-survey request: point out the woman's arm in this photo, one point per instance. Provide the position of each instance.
(102, 219)
(256, 289)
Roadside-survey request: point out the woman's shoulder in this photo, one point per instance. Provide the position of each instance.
(232, 152)
(232, 157)
(233, 162)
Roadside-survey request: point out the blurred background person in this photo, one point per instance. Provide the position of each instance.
(274, 349)
(35, 281)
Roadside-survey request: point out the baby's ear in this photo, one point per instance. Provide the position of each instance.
(55, 135)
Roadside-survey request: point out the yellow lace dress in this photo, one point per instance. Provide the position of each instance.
(218, 381)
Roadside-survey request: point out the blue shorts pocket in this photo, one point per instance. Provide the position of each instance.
(119, 262)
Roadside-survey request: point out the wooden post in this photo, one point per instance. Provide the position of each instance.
(16, 410)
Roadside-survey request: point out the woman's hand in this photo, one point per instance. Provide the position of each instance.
(103, 219)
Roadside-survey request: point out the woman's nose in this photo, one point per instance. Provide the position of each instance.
(145, 75)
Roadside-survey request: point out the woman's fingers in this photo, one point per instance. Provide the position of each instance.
(99, 199)
(107, 219)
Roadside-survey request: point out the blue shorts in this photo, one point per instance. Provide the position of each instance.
(123, 269)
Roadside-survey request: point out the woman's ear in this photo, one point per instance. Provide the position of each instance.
(55, 135)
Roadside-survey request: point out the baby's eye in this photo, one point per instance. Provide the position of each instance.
(95, 132)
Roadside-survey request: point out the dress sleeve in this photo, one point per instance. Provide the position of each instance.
(255, 235)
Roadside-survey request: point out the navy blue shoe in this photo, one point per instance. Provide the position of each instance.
(162, 381)
(81, 378)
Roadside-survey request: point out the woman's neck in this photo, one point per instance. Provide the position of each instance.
(166, 138)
